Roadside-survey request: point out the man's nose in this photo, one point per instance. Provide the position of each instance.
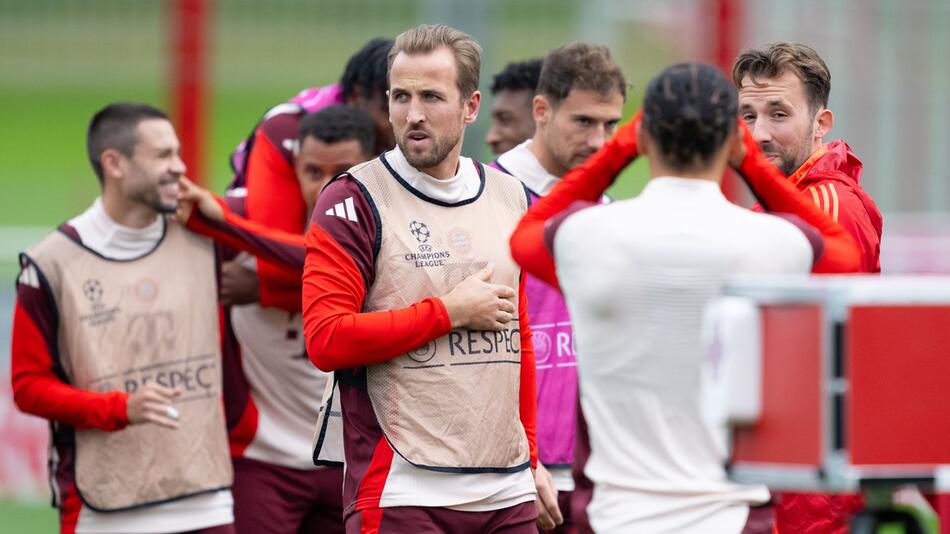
(493, 136)
(415, 114)
(178, 165)
(761, 131)
(597, 137)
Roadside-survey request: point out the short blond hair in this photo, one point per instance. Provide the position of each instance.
(430, 37)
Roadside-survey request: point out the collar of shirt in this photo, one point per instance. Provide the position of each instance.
(524, 165)
(674, 188)
(463, 186)
(110, 239)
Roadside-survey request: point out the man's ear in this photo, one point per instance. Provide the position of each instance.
(824, 121)
(471, 107)
(540, 109)
(643, 140)
(112, 162)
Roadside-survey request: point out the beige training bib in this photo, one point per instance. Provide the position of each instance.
(453, 404)
(124, 324)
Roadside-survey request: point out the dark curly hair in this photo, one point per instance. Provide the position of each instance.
(689, 111)
(517, 76)
(367, 69)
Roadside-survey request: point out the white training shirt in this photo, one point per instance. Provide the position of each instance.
(637, 275)
(286, 387)
(112, 240)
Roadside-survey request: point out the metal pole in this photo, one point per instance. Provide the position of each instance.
(189, 31)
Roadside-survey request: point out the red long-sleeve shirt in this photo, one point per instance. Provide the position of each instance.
(274, 199)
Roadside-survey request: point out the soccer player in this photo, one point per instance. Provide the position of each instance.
(411, 297)
(274, 392)
(637, 274)
(578, 105)
(512, 92)
(264, 168)
(115, 342)
(783, 98)
(330, 141)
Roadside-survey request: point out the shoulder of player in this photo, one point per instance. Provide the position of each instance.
(580, 217)
(280, 124)
(52, 243)
(777, 232)
(493, 173)
(345, 201)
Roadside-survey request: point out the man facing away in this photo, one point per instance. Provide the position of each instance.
(637, 275)
(578, 105)
(115, 342)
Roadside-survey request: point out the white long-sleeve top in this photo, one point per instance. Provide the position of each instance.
(637, 275)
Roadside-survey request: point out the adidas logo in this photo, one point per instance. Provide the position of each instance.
(344, 210)
(28, 277)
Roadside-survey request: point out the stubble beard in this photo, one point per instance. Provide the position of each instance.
(152, 198)
(436, 155)
(792, 161)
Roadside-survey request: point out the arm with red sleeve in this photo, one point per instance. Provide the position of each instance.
(285, 250)
(527, 394)
(777, 194)
(338, 270)
(274, 200)
(833, 192)
(39, 384)
(586, 182)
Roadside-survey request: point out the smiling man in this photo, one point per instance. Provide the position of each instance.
(783, 98)
(115, 342)
(411, 297)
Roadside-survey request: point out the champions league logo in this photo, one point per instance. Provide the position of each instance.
(99, 315)
(92, 289)
(423, 353)
(426, 256)
(419, 231)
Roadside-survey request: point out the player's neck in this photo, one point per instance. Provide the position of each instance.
(448, 167)
(712, 173)
(127, 213)
(545, 158)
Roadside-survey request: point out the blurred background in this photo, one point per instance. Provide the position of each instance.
(217, 66)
